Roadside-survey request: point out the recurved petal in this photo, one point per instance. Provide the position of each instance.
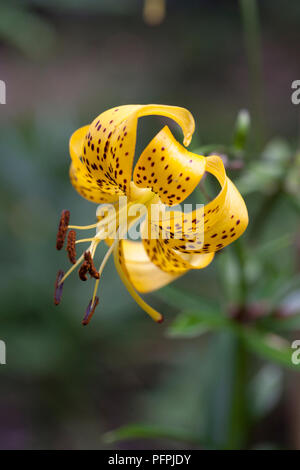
(107, 146)
(167, 258)
(168, 168)
(141, 272)
(223, 220)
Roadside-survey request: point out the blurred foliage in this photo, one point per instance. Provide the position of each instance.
(219, 373)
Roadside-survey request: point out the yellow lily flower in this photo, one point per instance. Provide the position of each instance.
(165, 174)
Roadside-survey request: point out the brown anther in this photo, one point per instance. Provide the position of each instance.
(62, 229)
(92, 270)
(71, 248)
(90, 311)
(83, 270)
(58, 287)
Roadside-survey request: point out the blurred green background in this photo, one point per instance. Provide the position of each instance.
(218, 373)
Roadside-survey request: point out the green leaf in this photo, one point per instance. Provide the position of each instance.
(273, 246)
(285, 289)
(265, 174)
(289, 309)
(182, 299)
(269, 346)
(288, 323)
(260, 176)
(144, 431)
(192, 323)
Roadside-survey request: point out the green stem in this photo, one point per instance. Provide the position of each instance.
(238, 419)
(238, 423)
(251, 27)
(240, 255)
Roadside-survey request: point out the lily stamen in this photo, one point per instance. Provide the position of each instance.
(58, 287)
(84, 227)
(71, 246)
(83, 270)
(62, 229)
(71, 269)
(91, 267)
(102, 266)
(90, 311)
(84, 240)
(100, 223)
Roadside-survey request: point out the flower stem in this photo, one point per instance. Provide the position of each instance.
(251, 27)
(240, 255)
(238, 419)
